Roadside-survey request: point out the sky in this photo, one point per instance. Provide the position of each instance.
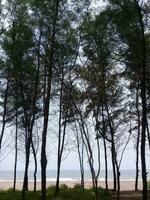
(71, 162)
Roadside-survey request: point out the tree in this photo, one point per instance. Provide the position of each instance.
(135, 39)
(24, 85)
(47, 88)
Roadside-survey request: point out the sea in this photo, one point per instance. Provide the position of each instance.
(70, 175)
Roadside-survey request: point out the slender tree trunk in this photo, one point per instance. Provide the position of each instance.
(88, 151)
(81, 158)
(144, 122)
(28, 136)
(58, 177)
(96, 188)
(58, 167)
(118, 182)
(59, 135)
(88, 148)
(137, 161)
(16, 148)
(106, 164)
(138, 141)
(25, 181)
(98, 171)
(34, 105)
(113, 150)
(60, 157)
(113, 166)
(43, 152)
(46, 100)
(104, 142)
(148, 133)
(90, 156)
(82, 167)
(16, 111)
(35, 163)
(143, 141)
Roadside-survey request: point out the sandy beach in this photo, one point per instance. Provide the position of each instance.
(126, 185)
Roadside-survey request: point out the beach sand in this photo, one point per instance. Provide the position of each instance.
(126, 185)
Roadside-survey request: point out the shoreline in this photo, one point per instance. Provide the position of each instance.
(126, 185)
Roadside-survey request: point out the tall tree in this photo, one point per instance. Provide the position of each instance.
(135, 57)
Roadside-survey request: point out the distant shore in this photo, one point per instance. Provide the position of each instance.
(126, 185)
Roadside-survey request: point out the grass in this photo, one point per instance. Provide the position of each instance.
(66, 193)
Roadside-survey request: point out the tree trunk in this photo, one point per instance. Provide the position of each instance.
(16, 150)
(98, 171)
(43, 157)
(113, 166)
(81, 157)
(59, 135)
(58, 177)
(90, 156)
(35, 163)
(60, 157)
(148, 133)
(118, 182)
(138, 141)
(96, 188)
(143, 162)
(137, 161)
(113, 150)
(82, 167)
(88, 152)
(25, 181)
(104, 140)
(143, 141)
(88, 148)
(106, 164)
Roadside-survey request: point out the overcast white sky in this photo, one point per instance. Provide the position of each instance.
(71, 162)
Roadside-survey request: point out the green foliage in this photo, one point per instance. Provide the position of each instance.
(65, 194)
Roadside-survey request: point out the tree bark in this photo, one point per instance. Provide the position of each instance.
(59, 136)
(118, 182)
(106, 164)
(60, 158)
(148, 133)
(80, 148)
(35, 163)
(16, 147)
(25, 181)
(105, 148)
(138, 141)
(114, 167)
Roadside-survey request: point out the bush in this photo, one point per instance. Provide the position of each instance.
(65, 194)
(63, 187)
(78, 187)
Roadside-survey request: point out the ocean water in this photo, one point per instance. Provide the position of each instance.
(69, 175)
